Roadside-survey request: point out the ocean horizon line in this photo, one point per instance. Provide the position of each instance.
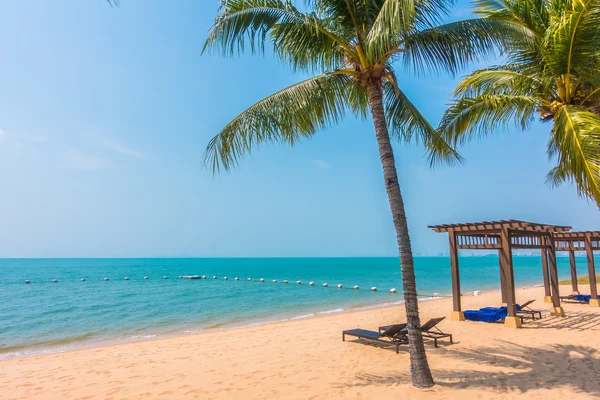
(559, 254)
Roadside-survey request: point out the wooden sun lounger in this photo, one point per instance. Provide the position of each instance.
(573, 299)
(526, 310)
(395, 334)
(429, 330)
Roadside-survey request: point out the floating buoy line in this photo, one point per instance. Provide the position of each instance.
(225, 278)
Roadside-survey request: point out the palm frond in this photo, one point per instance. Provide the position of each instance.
(288, 116)
(406, 123)
(242, 22)
(575, 140)
(574, 41)
(451, 47)
(308, 43)
(481, 115)
(501, 81)
(395, 19)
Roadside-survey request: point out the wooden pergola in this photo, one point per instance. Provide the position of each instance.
(504, 236)
(578, 241)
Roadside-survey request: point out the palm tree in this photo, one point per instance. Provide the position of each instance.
(552, 70)
(354, 44)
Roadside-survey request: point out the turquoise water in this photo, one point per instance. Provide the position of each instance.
(48, 317)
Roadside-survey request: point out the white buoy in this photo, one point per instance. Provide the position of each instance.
(165, 277)
(237, 279)
(249, 279)
(340, 286)
(262, 279)
(105, 279)
(146, 277)
(356, 287)
(225, 278)
(311, 284)
(373, 289)
(126, 278)
(392, 290)
(214, 277)
(203, 276)
(274, 280)
(285, 281)
(27, 281)
(325, 285)
(55, 281)
(299, 282)
(82, 279)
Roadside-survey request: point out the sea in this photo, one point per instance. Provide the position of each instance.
(78, 303)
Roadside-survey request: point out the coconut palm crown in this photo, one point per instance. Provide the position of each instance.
(552, 72)
(353, 46)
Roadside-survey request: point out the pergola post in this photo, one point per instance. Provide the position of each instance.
(573, 264)
(546, 274)
(557, 310)
(594, 302)
(457, 314)
(502, 282)
(506, 266)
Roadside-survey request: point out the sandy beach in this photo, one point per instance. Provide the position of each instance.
(306, 359)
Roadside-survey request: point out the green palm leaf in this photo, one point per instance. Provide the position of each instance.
(553, 59)
(491, 81)
(247, 21)
(576, 141)
(451, 47)
(287, 116)
(407, 123)
(479, 116)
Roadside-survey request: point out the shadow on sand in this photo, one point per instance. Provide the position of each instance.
(523, 368)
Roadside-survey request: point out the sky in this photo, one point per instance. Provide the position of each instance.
(105, 113)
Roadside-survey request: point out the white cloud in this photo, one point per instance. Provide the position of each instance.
(322, 164)
(19, 140)
(78, 160)
(35, 138)
(123, 150)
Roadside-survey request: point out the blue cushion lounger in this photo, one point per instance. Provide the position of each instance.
(580, 298)
(584, 297)
(488, 314)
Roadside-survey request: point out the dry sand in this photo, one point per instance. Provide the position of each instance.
(554, 358)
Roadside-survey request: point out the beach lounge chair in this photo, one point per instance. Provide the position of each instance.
(429, 330)
(578, 298)
(395, 334)
(526, 310)
(488, 314)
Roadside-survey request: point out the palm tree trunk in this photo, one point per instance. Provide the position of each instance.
(420, 372)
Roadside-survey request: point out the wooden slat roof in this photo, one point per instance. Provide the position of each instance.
(492, 226)
(595, 235)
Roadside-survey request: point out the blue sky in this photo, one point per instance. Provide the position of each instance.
(105, 112)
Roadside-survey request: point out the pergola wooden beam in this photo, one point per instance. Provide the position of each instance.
(496, 226)
(546, 275)
(587, 241)
(557, 310)
(504, 236)
(594, 302)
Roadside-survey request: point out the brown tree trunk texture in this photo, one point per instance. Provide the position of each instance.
(420, 372)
